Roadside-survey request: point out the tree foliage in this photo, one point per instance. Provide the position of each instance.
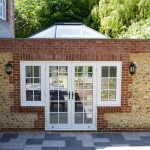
(114, 17)
(34, 15)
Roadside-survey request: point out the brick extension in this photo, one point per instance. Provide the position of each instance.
(73, 50)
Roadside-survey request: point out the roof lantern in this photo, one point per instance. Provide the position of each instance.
(69, 30)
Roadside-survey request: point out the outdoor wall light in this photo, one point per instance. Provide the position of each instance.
(8, 68)
(132, 68)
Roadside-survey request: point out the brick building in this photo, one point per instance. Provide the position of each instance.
(74, 84)
(7, 19)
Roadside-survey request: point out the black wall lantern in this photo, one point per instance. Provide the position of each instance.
(132, 68)
(8, 68)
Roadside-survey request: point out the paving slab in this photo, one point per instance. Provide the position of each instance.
(52, 136)
(50, 148)
(10, 135)
(84, 136)
(87, 143)
(32, 147)
(39, 136)
(25, 136)
(34, 142)
(11, 146)
(68, 135)
(74, 143)
(1, 134)
(131, 136)
(53, 143)
(101, 140)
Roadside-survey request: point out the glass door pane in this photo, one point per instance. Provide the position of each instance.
(83, 95)
(58, 95)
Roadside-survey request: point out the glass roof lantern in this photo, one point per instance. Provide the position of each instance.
(69, 31)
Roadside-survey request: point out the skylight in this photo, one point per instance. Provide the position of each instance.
(69, 31)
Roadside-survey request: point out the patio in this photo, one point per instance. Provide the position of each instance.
(75, 141)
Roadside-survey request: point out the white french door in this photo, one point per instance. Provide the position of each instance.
(70, 96)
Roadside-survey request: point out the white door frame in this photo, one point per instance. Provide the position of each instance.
(70, 125)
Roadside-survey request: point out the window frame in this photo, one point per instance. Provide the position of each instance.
(23, 65)
(109, 103)
(3, 5)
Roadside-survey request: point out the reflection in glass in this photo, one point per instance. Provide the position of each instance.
(63, 107)
(88, 107)
(88, 94)
(62, 69)
(104, 71)
(112, 83)
(29, 71)
(53, 106)
(54, 95)
(78, 118)
(53, 69)
(78, 107)
(53, 118)
(37, 80)
(113, 71)
(88, 118)
(90, 74)
(37, 71)
(63, 118)
(104, 95)
(90, 69)
(79, 95)
(88, 86)
(29, 95)
(112, 95)
(104, 83)
(37, 95)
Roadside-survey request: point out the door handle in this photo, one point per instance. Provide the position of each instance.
(72, 95)
(69, 95)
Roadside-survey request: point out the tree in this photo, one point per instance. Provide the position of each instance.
(28, 16)
(114, 17)
(34, 15)
(138, 30)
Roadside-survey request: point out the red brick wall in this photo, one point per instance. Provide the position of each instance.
(73, 50)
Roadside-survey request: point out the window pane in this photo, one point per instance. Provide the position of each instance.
(88, 118)
(78, 118)
(62, 69)
(113, 71)
(53, 118)
(112, 83)
(104, 83)
(104, 95)
(90, 69)
(88, 107)
(112, 95)
(37, 95)
(78, 107)
(63, 107)
(37, 80)
(104, 71)
(29, 71)
(80, 69)
(63, 118)
(29, 95)
(53, 69)
(37, 71)
(29, 80)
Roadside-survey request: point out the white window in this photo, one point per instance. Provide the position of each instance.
(32, 83)
(109, 83)
(3, 9)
